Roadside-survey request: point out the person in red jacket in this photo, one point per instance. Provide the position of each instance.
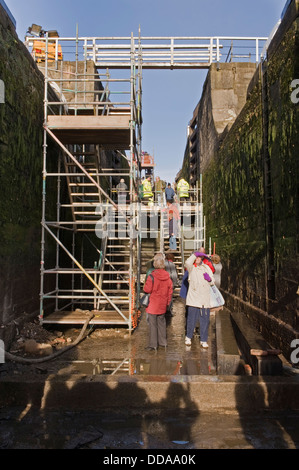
(160, 290)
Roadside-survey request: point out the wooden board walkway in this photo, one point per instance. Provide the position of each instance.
(78, 316)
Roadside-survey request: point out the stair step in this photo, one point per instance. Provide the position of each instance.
(85, 194)
(118, 250)
(86, 213)
(119, 291)
(82, 184)
(120, 263)
(119, 238)
(115, 281)
(118, 254)
(84, 164)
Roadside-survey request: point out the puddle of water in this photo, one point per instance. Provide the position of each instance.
(152, 366)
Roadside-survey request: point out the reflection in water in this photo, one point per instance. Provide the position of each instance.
(152, 366)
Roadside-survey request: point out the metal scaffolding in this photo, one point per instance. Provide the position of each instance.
(91, 133)
(92, 140)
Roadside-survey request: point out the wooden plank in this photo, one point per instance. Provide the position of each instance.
(102, 317)
(109, 131)
(265, 352)
(254, 347)
(88, 122)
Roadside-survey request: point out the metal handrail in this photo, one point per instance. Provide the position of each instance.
(169, 52)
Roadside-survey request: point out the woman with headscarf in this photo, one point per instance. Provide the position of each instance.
(198, 299)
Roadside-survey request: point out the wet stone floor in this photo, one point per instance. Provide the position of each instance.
(108, 430)
(114, 351)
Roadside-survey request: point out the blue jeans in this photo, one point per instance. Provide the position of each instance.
(201, 314)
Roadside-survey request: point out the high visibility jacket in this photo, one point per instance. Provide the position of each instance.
(147, 189)
(183, 188)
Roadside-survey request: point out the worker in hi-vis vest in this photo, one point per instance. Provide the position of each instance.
(147, 190)
(183, 189)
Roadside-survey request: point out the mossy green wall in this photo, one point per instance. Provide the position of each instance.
(234, 191)
(283, 144)
(21, 139)
(234, 202)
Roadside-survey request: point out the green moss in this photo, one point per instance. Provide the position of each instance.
(233, 184)
(21, 138)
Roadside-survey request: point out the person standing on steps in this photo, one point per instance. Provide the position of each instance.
(169, 194)
(159, 191)
(200, 278)
(122, 192)
(171, 269)
(159, 286)
(147, 193)
(218, 268)
(183, 190)
(173, 215)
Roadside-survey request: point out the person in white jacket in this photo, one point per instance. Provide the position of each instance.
(200, 279)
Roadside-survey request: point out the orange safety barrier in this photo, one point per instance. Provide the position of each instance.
(147, 160)
(135, 314)
(132, 361)
(39, 51)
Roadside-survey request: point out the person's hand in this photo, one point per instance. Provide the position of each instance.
(207, 277)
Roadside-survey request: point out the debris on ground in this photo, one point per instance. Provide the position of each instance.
(35, 340)
(37, 349)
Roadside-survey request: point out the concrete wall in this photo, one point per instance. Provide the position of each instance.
(223, 97)
(257, 235)
(72, 91)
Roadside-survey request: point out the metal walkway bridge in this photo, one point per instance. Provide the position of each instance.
(155, 52)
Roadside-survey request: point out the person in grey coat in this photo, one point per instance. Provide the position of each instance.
(200, 277)
(218, 268)
(122, 192)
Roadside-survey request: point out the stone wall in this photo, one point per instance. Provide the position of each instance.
(250, 186)
(223, 97)
(21, 165)
(21, 140)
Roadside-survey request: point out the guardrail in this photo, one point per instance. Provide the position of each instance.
(153, 52)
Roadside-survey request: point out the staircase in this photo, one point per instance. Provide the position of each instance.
(159, 242)
(97, 266)
(84, 196)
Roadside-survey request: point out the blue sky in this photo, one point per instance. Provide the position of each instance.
(170, 96)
